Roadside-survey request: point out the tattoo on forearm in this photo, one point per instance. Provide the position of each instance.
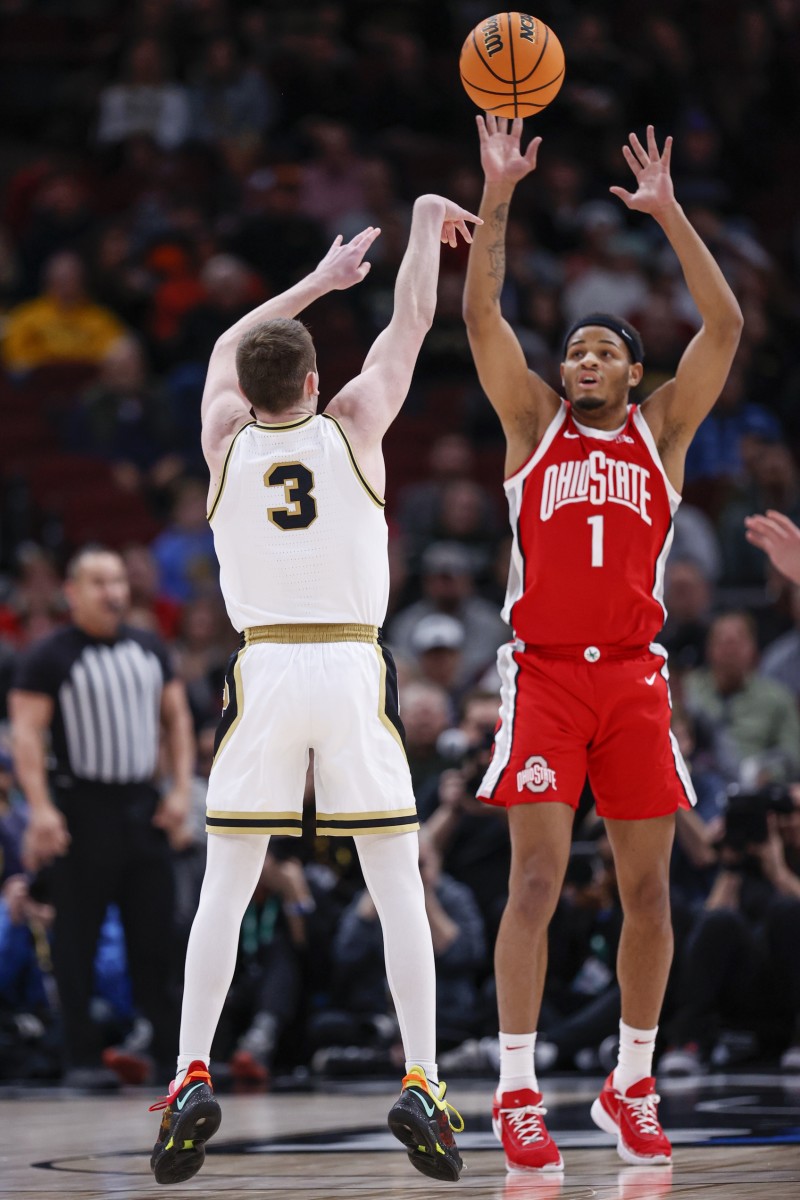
(497, 248)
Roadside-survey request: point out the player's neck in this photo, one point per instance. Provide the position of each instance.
(297, 412)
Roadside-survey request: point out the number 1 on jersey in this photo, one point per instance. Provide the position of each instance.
(597, 540)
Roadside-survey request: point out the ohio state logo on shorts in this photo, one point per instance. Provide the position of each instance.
(537, 776)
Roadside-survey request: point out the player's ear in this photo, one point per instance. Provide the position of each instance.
(311, 385)
(635, 373)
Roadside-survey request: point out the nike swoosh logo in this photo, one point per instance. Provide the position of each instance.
(421, 1096)
(515, 1047)
(572, 435)
(638, 1042)
(181, 1100)
(651, 678)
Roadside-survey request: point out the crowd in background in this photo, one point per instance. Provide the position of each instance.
(168, 164)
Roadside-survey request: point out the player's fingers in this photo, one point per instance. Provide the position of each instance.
(462, 229)
(638, 149)
(666, 157)
(516, 127)
(532, 151)
(625, 197)
(652, 144)
(491, 122)
(502, 125)
(767, 527)
(783, 522)
(632, 161)
(482, 132)
(364, 270)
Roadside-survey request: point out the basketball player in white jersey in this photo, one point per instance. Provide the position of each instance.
(296, 507)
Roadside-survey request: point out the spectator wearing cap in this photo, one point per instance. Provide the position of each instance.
(448, 589)
(438, 642)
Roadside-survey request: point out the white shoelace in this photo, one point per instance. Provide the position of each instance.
(526, 1123)
(643, 1113)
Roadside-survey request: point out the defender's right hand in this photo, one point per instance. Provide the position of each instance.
(46, 838)
(501, 157)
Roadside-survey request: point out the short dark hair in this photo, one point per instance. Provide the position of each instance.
(631, 337)
(89, 550)
(272, 362)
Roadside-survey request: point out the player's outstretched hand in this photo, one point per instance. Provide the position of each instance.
(779, 538)
(343, 265)
(501, 155)
(654, 190)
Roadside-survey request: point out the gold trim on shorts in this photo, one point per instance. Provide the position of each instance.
(300, 634)
(398, 820)
(288, 824)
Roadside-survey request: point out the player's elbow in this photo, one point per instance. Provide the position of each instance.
(478, 314)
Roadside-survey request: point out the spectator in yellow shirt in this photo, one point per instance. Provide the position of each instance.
(61, 325)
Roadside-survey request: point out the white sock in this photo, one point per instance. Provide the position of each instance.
(390, 865)
(635, 1060)
(233, 867)
(516, 1062)
(431, 1069)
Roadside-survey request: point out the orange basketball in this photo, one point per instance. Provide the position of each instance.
(512, 65)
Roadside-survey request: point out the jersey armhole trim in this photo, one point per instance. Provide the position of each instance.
(646, 434)
(538, 452)
(224, 476)
(373, 495)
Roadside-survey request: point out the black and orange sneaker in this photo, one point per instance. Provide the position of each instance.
(420, 1119)
(191, 1117)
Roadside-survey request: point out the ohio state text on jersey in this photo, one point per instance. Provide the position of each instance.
(591, 513)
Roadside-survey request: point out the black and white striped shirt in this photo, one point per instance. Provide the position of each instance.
(107, 701)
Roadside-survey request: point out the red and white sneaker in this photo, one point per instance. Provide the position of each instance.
(518, 1122)
(632, 1118)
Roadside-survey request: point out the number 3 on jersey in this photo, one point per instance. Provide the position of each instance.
(301, 507)
(597, 540)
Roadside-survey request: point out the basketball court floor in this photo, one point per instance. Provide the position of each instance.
(735, 1136)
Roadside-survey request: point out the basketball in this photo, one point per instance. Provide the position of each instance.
(512, 65)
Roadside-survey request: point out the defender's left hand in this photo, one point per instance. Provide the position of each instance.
(651, 171)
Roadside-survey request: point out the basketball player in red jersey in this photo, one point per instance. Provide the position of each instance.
(592, 483)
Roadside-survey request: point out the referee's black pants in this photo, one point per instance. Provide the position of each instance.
(116, 856)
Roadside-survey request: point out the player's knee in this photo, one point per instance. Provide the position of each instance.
(534, 891)
(647, 899)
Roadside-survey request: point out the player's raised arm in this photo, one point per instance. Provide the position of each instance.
(518, 395)
(370, 402)
(675, 410)
(223, 407)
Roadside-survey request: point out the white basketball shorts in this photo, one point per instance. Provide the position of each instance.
(290, 689)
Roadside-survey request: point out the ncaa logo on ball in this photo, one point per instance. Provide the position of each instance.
(536, 776)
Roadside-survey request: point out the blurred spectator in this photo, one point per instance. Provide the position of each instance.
(63, 324)
(759, 716)
(149, 608)
(35, 592)
(773, 483)
(740, 966)
(124, 418)
(688, 597)
(204, 644)
(437, 641)
(360, 1014)
(231, 290)
(471, 837)
(331, 182)
(448, 587)
(61, 218)
(450, 459)
(425, 713)
(228, 101)
(781, 659)
(184, 552)
(270, 234)
(717, 451)
(695, 539)
(147, 102)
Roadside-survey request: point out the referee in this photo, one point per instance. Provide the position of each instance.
(89, 702)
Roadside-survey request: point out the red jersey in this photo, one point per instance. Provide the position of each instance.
(591, 513)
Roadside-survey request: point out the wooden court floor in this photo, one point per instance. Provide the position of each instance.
(735, 1137)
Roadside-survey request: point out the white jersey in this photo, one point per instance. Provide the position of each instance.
(300, 535)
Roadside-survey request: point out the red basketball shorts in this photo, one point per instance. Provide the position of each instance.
(564, 717)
